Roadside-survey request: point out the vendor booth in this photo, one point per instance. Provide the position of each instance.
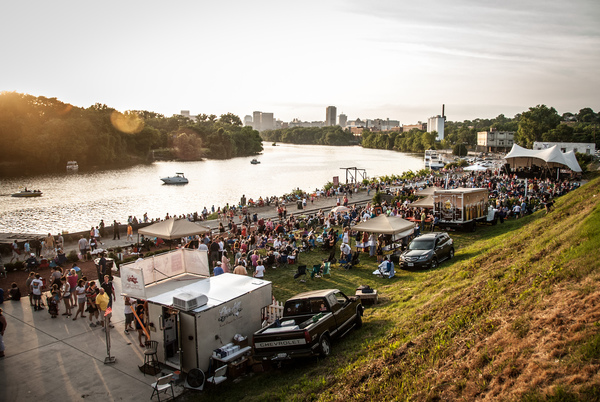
(192, 314)
(394, 226)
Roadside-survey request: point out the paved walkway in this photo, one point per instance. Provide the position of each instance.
(60, 359)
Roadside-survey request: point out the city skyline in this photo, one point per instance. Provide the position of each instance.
(392, 59)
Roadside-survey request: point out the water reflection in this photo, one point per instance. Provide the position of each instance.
(74, 202)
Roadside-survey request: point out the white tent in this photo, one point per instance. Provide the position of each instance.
(173, 229)
(476, 168)
(392, 225)
(426, 202)
(549, 157)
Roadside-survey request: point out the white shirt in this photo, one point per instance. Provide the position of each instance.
(260, 271)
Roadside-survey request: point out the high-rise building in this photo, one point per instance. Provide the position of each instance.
(257, 120)
(343, 120)
(330, 116)
(267, 122)
(247, 120)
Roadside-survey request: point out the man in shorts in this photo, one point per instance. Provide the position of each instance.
(36, 290)
(128, 315)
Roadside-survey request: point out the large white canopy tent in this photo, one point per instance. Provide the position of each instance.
(173, 229)
(549, 157)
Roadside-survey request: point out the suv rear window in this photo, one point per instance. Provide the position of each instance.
(421, 244)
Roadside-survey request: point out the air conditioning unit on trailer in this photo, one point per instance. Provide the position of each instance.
(189, 301)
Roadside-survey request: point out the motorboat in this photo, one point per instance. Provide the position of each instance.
(179, 178)
(72, 166)
(28, 193)
(255, 161)
(432, 160)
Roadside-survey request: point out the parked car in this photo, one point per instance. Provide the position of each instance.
(427, 251)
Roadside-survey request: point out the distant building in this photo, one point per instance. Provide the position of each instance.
(436, 123)
(186, 113)
(419, 126)
(298, 123)
(267, 122)
(247, 120)
(343, 120)
(256, 120)
(588, 148)
(382, 124)
(495, 141)
(330, 116)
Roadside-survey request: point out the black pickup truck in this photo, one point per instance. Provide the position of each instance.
(310, 321)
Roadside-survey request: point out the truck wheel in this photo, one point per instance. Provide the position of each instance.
(451, 254)
(324, 346)
(434, 263)
(358, 320)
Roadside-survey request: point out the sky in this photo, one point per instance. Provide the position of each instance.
(391, 59)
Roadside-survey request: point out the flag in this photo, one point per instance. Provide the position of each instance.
(108, 311)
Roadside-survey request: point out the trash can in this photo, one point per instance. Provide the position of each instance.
(299, 203)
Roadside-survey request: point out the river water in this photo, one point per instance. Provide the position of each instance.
(75, 202)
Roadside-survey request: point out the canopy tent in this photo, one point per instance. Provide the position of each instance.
(173, 229)
(426, 202)
(476, 168)
(549, 157)
(427, 191)
(339, 208)
(386, 225)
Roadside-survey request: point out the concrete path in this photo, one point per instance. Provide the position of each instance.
(58, 359)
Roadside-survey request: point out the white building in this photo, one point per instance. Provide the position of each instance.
(495, 141)
(436, 123)
(588, 148)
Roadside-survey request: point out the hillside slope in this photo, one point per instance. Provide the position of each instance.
(518, 318)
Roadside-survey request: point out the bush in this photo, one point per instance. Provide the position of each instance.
(72, 257)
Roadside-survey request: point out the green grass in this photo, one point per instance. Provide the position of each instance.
(450, 333)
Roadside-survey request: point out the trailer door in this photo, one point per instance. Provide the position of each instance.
(188, 341)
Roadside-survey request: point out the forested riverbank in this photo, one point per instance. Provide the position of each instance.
(41, 134)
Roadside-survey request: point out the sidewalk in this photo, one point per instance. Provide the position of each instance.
(61, 359)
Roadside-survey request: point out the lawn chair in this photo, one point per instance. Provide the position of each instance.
(219, 376)
(316, 271)
(301, 272)
(163, 384)
(326, 269)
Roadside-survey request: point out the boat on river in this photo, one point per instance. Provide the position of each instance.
(72, 166)
(27, 193)
(433, 160)
(255, 161)
(179, 178)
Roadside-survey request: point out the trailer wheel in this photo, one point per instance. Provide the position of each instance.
(324, 346)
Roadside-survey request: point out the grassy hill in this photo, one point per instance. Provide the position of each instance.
(515, 316)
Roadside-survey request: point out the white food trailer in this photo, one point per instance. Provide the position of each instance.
(190, 313)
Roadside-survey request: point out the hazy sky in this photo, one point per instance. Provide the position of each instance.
(389, 59)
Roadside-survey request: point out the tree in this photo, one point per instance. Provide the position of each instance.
(534, 123)
(231, 119)
(188, 146)
(459, 150)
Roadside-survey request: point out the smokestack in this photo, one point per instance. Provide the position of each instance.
(443, 107)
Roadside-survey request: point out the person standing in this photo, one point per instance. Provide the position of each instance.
(129, 232)
(60, 241)
(109, 289)
(128, 315)
(91, 292)
(36, 289)
(116, 234)
(80, 294)
(2, 329)
(50, 246)
(15, 251)
(83, 247)
(140, 311)
(102, 302)
(65, 295)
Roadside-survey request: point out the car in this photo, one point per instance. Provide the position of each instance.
(427, 251)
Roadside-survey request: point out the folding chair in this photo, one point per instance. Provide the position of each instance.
(316, 271)
(301, 272)
(219, 376)
(163, 384)
(326, 268)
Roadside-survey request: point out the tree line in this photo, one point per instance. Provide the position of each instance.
(41, 134)
(330, 135)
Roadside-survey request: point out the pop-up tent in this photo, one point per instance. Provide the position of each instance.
(549, 157)
(392, 225)
(426, 202)
(173, 229)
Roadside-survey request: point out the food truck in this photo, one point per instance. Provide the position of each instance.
(192, 314)
(462, 208)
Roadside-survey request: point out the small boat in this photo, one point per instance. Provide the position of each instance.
(179, 178)
(274, 144)
(28, 193)
(432, 160)
(72, 166)
(254, 161)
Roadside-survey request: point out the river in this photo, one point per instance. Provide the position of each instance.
(75, 202)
